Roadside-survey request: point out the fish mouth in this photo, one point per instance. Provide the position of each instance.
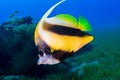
(63, 30)
(53, 58)
(47, 59)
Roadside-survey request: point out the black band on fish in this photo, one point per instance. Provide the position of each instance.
(62, 30)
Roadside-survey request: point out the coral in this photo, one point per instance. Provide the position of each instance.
(15, 21)
(17, 48)
(25, 20)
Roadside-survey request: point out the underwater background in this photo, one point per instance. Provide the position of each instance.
(97, 61)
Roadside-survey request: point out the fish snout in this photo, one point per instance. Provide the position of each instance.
(47, 59)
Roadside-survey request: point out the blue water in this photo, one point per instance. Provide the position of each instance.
(19, 55)
(100, 13)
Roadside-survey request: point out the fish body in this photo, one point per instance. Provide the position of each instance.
(60, 36)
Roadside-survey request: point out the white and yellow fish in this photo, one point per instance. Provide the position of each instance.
(60, 36)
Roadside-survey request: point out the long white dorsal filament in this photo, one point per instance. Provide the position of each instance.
(49, 11)
(42, 32)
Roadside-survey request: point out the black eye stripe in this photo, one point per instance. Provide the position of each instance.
(62, 30)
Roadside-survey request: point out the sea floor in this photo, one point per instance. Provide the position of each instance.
(100, 60)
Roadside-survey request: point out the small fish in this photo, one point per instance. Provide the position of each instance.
(12, 15)
(60, 36)
(15, 12)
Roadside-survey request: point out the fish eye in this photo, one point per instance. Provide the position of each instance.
(40, 52)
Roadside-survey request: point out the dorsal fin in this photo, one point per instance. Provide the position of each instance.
(83, 24)
(49, 11)
(70, 21)
(63, 20)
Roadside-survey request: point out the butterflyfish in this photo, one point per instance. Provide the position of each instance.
(60, 36)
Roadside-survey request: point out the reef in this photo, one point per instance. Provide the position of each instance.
(18, 55)
(17, 49)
